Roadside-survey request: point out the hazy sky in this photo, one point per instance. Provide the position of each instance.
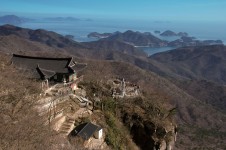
(203, 10)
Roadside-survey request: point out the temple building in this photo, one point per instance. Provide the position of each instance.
(50, 69)
(87, 130)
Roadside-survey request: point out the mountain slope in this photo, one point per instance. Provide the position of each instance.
(208, 92)
(21, 127)
(47, 37)
(24, 46)
(115, 46)
(151, 82)
(202, 62)
(27, 45)
(192, 113)
(97, 50)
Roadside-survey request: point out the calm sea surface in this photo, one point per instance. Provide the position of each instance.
(80, 29)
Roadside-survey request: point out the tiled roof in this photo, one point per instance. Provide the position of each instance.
(86, 130)
(78, 66)
(45, 73)
(58, 65)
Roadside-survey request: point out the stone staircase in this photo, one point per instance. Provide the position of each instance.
(67, 126)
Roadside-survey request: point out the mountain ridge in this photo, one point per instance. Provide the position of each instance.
(152, 74)
(137, 38)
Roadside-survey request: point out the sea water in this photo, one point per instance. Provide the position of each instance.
(153, 50)
(80, 29)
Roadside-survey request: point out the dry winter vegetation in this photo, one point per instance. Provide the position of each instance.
(20, 125)
(198, 123)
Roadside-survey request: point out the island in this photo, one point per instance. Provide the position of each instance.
(182, 34)
(168, 33)
(146, 39)
(71, 37)
(134, 38)
(13, 19)
(171, 33)
(66, 19)
(98, 35)
(157, 32)
(192, 41)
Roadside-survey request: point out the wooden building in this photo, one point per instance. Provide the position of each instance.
(87, 130)
(51, 69)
